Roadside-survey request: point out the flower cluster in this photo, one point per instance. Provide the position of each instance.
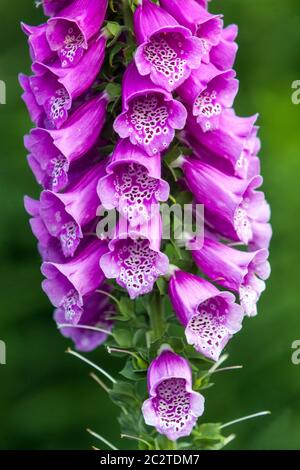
(176, 92)
(68, 52)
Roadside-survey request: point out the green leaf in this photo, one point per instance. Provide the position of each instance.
(131, 373)
(162, 286)
(123, 337)
(113, 90)
(208, 436)
(126, 308)
(123, 394)
(115, 50)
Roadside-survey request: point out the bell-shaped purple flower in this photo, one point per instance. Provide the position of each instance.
(224, 53)
(235, 269)
(133, 183)
(48, 246)
(66, 214)
(53, 151)
(69, 284)
(208, 92)
(36, 112)
(150, 114)
(56, 88)
(173, 407)
(233, 207)
(38, 44)
(134, 258)
(69, 33)
(51, 7)
(97, 313)
(195, 17)
(167, 51)
(210, 317)
(233, 145)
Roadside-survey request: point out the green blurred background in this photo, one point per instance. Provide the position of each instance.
(46, 397)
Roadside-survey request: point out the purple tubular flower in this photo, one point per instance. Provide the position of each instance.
(36, 112)
(234, 143)
(208, 92)
(195, 17)
(134, 258)
(69, 33)
(97, 312)
(235, 269)
(56, 88)
(69, 284)
(133, 184)
(173, 407)
(150, 114)
(52, 151)
(233, 207)
(210, 317)
(65, 215)
(224, 53)
(167, 51)
(48, 246)
(37, 41)
(51, 7)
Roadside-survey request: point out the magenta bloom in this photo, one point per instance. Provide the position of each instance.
(68, 284)
(133, 183)
(150, 114)
(134, 258)
(234, 144)
(173, 407)
(195, 17)
(224, 53)
(36, 112)
(53, 151)
(210, 317)
(167, 51)
(69, 33)
(208, 92)
(38, 44)
(233, 207)
(65, 215)
(97, 312)
(51, 7)
(55, 88)
(48, 246)
(235, 269)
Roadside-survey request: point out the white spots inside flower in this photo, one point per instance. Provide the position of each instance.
(58, 103)
(248, 299)
(206, 107)
(137, 263)
(147, 118)
(172, 405)
(205, 46)
(69, 237)
(163, 52)
(73, 46)
(207, 329)
(135, 192)
(71, 305)
(242, 223)
(242, 164)
(57, 170)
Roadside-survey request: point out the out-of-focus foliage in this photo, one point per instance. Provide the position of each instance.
(46, 397)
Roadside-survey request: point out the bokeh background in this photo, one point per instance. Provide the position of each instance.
(46, 397)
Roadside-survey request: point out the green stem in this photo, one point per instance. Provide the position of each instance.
(156, 315)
